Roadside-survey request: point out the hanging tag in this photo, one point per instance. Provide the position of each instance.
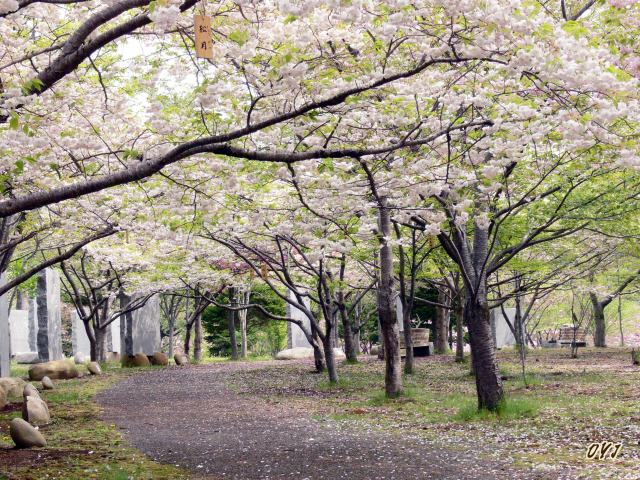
(264, 273)
(204, 40)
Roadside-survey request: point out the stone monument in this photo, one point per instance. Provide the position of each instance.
(502, 334)
(19, 331)
(295, 336)
(140, 329)
(5, 336)
(49, 341)
(33, 325)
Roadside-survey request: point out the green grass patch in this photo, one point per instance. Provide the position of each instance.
(510, 409)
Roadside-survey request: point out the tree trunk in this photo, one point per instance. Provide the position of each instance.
(408, 341)
(187, 338)
(197, 341)
(485, 365)
(242, 316)
(318, 355)
(599, 338)
(99, 347)
(329, 355)
(459, 330)
(350, 346)
(442, 324)
(381, 341)
(386, 310)
(172, 323)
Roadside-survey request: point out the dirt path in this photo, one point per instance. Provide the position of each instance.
(186, 416)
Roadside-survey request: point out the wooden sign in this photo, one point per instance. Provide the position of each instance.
(204, 40)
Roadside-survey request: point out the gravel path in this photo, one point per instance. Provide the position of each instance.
(186, 416)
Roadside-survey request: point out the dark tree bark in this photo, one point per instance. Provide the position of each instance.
(600, 333)
(442, 320)
(386, 310)
(197, 341)
(187, 338)
(487, 374)
(459, 311)
(318, 355)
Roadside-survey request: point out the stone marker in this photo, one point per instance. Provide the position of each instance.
(303, 352)
(57, 369)
(94, 368)
(30, 391)
(19, 331)
(79, 339)
(159, 358)
(48, 315)
(27, 358)
(3, 398)
(181, 359)
(12, 386)
(295, 335)
(35, 411)
(24, 435)
(33, 325)
(502, 334)
(140, 329)
(47, 383)
(5, 335)
(80, 358)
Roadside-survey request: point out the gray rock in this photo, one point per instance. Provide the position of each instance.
(57, 369)
(35, 411)
(12, 386)
(30, 391)
(159, 358)
(181, 359)
(80, 358)
(47, 383)
(94, 368)
(27, 357)
(24, 435)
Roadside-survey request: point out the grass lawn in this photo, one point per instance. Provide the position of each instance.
(79, 445)
(546, 425)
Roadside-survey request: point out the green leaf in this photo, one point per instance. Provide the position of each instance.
(14, 121)
(239, 36)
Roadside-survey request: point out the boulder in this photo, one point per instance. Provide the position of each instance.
(141, 360)
(181, 359)
(303, 352)
(94, 368)
(35, 411)
(375, 349)
(113, 357)
(27, 357)
(30, 391)
(24, 435)
(48, 384)
(159, 358)
(56, 369)
(80, 358)
(12, 386)
(3, 398)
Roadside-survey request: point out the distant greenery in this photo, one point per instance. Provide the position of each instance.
(265, 336)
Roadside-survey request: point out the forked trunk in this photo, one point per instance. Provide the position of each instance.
(485, 365)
